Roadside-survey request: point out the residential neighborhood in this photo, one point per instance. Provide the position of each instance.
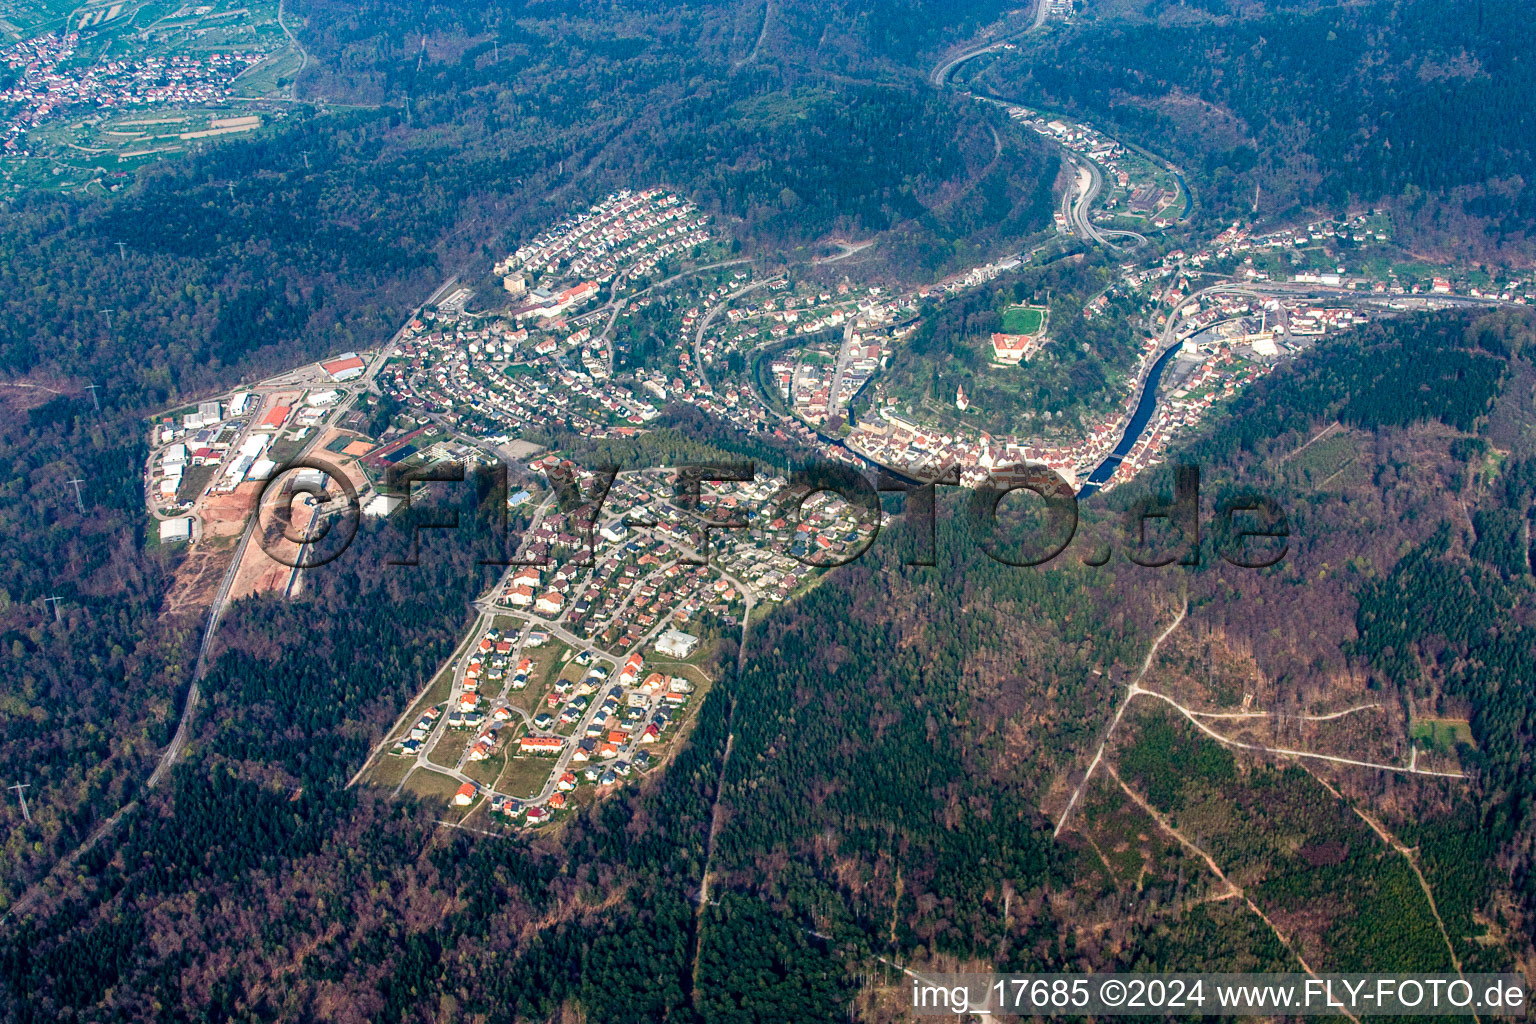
(583, 667)
(47, 82)
(587, 660)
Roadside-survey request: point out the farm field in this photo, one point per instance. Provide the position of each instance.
(149, 80)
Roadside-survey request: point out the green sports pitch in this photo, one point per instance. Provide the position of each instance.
(1023, 320)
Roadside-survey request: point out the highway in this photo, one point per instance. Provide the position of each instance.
(1077, 202)
(939, 76)
(1088, 179)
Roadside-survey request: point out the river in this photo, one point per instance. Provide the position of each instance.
(1145, 406)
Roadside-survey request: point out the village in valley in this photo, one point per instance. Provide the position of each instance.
(90, 92)
(588, 658)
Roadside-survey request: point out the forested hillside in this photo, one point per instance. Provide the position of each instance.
(1420, 107)
(889, 768)
(1411, 568)
(1075, 379)
(250, 257)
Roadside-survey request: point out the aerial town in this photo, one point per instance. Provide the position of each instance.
(582, 671)
(91, 93)
(595, 512)
(48, 83)
(583, 666)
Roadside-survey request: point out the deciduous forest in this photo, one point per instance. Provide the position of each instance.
(898, 771)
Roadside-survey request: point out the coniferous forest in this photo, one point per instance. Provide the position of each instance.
(882, 781)
(1415, 107)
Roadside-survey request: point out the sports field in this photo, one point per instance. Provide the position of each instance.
(1023, 319)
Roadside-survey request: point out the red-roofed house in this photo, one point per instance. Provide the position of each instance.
(579, 293)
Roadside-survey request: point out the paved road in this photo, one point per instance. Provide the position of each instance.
(1076, 210)
(710, 317)
(1168, 340)
(844, 356)
(1290, 292)
(489, 607)
(617, 305)
(749, 598)
(410, 709)
(221, 598)
(848, 249)
(215, 613)
(293, 40)
(1080, 195)
(1351, 296)
(1075, 204)
(939, 75)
